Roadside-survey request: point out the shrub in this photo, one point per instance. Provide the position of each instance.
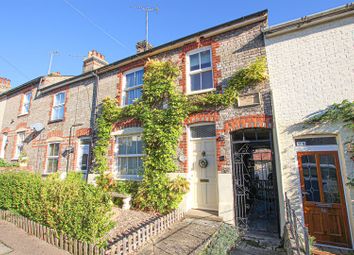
(80, 210)
(4, 163)
(159, 193)
(222, 242)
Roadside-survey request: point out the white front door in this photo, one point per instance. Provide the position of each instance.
(204, 177)
(83, 155)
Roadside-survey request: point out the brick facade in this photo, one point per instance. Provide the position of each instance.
(230, 51)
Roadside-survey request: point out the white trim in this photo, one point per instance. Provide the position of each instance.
(3, 144)
(316, 148)
(79, 151)
(124, 83)
(59, 105)
(207, 123)
(116, 156)
(128, 131)
(51, 157)
(189, 73)
(28, 103)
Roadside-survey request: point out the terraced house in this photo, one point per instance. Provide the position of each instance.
(51, 119)
(238, 165)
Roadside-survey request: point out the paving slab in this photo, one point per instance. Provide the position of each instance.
(185, 237)
(4, 249)
(22, 243)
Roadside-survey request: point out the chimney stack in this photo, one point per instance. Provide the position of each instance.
(93, 61)
(4, 84)
(143, 46)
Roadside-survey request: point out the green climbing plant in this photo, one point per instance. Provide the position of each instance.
(162, 110)
(341, 112)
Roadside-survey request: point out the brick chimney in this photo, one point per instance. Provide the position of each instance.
(142, 46)
(4, 84)
(93, 61)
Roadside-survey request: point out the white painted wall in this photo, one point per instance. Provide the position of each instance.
(309, 70)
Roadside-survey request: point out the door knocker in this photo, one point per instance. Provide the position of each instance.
(203, 163)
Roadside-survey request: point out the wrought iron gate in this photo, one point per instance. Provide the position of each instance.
(254, 186)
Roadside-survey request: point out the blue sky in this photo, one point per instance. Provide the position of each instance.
(31, 29)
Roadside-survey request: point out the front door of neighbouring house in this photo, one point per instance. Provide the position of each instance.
(83, 155)
(203, 167)
(323, 197)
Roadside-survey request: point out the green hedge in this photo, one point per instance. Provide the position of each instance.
(80, 210)
(222, 242)
(4, 163)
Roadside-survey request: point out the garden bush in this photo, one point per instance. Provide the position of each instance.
(80, 210)
(4, 163)
(222, 242)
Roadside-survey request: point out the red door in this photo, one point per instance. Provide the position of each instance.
(323, 198)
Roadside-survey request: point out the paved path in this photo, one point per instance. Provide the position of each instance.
(258, 244)
(185, 237)
(15, 241)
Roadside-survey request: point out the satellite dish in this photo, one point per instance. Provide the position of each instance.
(37, 127)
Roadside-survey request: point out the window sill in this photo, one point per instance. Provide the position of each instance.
(190, 93)
(22, 114)
(55, 121)
(129, 178)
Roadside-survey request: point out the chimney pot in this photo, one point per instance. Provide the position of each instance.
(5, 84)
(143, 46)
(93, 61)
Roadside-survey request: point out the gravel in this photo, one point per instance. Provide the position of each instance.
(128, 221)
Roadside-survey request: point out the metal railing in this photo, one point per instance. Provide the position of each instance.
(299, 232)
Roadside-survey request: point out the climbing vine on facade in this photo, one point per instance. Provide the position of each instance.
(342, 112)
(162, 110)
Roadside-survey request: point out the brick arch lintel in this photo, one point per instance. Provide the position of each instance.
(250, 121)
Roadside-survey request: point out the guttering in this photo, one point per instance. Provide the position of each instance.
(307, 21)
(20, 87)
(228, 26)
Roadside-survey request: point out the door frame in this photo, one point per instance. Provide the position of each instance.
(326, 149)
(78, 154)
(189, 159)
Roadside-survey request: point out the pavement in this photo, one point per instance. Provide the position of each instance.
(185, 237)
(15, 241)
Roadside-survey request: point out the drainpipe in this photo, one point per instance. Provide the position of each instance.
(93, 117)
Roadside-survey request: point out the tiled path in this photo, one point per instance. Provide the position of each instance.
(15, 241)
(185, 237)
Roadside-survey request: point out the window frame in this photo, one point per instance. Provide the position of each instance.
(125, 89)
(116, 156)
(201, 70)
(80, 143)
(17, 144)
(54, 107)
(189, 133)
(5, 138)
(23, 112)
(51, 157)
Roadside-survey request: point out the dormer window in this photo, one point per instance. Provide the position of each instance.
(199, 71)
(132, 86)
